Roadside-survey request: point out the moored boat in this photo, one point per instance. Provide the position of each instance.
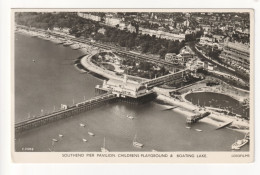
(75, 46)
(137, 144)
(54, 140)
(82, 125)
(130, 117)
(199, 130)
(91, 134)
(104, 149)
(56, 41)
(238, 144)
(68, 43)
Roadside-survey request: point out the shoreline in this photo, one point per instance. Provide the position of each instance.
(85, 61)
(184, 107)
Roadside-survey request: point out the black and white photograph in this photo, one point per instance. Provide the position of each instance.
(134, 81)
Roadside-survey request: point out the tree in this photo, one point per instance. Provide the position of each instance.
(162, 52)
(145, 47)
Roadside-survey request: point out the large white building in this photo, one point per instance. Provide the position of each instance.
(89, 16)
(125, 87)
(111, 21)
(161, 34)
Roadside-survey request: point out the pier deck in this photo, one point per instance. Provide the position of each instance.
(70, 111)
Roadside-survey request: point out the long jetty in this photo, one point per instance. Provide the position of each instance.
(64, 113)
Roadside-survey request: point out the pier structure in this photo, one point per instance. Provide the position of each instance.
(176, 77)
(65, 112)
(131, 89)
(195, 118)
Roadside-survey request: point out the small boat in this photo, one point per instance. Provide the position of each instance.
(82, 125)
(137, 144)
(199, 130)
(188, 127)
(68, 43)
(84, 140)
(224, 125)
(247, 136)
(153, 150)
(238, 144)
(33, 61)
(75, 46)
(55, 140)
(56, 41)
(103, 149)
(60, 135)
(130, 117)
(91, 134)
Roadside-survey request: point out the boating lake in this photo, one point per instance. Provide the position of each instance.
(53, 80)
(217, 100)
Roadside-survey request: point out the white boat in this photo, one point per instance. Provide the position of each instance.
(91, 134)
(60, 41)
(55, 140)
(45, 37)
(84, 140)
(82, 125)
(238, 144)
(137, 144)
(188, 127)
(199, 130)
(247, 136)
(103, 149)
(56, 41)
(84, 50)
(68, 43)
(60, 135)
(74, 46)
(153, 150)
(130, 117)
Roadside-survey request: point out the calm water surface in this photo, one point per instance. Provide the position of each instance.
(53, 80)
(219, 101)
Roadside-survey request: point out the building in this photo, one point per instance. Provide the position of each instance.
(125, 88)
(210, 67)
(102, 31)
(170, 57)
(236, 55)
(131, 28)
(206, 41)
(187, 54)
(61, 31)
(161, 34)
(111, 21)
(89, 16)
